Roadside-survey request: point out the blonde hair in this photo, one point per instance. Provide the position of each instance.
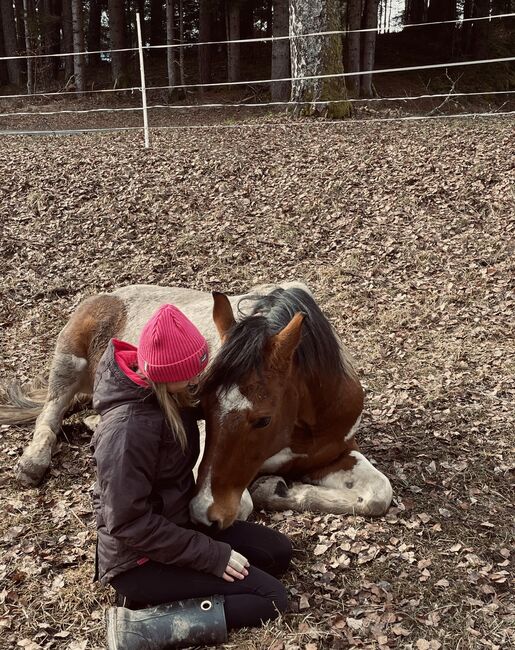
(170, 404)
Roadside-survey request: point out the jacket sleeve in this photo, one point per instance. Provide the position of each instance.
(126, 458)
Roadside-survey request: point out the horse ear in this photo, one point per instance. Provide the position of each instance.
(222, 314)
(284, 343)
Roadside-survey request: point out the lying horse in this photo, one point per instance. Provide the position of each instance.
(281, 398)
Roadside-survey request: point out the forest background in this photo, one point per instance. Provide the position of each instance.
(187, 73)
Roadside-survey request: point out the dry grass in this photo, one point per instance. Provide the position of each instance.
(405, 233)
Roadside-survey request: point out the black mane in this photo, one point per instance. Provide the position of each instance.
(243, 351)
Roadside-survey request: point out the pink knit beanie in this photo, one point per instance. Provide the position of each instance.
(170, 347)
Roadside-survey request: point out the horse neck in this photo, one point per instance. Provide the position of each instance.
(328, 401)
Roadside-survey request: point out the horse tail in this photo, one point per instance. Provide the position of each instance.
(22, 404)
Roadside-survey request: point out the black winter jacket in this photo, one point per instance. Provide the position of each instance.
(144, 480)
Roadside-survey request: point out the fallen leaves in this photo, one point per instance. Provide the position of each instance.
(401, 231)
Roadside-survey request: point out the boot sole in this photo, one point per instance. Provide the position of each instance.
(111, 629)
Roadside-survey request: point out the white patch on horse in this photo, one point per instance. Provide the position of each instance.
(363, 485)
(246, 506)
(275, 462)
(353, 429)
(201, 503)
(232, 400)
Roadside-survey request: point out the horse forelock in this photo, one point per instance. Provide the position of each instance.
(243, 352)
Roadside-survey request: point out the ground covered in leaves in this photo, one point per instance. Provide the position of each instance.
(405, 234)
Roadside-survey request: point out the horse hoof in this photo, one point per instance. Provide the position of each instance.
(267, 489)
(30, 472)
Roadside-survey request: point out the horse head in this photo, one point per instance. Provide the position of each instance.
(250, 403)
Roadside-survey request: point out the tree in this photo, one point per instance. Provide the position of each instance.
(29, 20)
(205, 21)
(118, 40)
(416, 11)
(9, 41)
(280, 91)
(317, 55)
(157, 32)
(94, 31)
(181, 49)
(79, 60)
(368, 47)
(67, 38)
(50, 34)
(354, 11)
(170, 52)
(232, 30)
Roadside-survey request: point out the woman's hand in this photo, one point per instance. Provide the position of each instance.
(236, 567)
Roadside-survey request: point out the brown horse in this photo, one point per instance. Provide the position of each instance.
(280, 397)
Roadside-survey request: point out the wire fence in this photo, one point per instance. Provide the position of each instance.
(141, 91)
(260, 39)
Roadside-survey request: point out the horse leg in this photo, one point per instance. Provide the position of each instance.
(68, 374)
(358, 488)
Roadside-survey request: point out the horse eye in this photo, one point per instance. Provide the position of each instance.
(261, 423)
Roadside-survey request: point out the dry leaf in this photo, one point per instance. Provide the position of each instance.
(303, 602)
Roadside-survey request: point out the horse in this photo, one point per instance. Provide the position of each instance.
(281, 398)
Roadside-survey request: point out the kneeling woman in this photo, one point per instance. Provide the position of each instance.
(145, 448)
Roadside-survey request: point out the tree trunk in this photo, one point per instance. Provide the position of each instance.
(416, 11)
(368, 43)
(317, 55)
(170, 52)
(118, 41)
(204, 60)
(354, 10)
(52, 35)
(20, 25)
(157, 34)
(280, 91)
(9, 40)
(232, 23)
(4, 77)
(29, 22)
(247, 19)
(94, 31)
(479, 38)
(441, 10)
(181, 49)
(79, 61)
(67, 42)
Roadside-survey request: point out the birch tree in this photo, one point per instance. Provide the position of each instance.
(10, 45)
(317, 55)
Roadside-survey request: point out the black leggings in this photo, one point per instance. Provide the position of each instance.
(257, 598)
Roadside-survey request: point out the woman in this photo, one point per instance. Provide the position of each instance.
(145, 448)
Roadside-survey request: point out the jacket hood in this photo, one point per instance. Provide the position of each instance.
(112, 385)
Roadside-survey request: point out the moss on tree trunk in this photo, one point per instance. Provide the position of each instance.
(317, 55)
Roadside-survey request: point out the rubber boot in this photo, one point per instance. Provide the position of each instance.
(197, 621)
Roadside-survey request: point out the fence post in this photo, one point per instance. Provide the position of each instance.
(143, 87)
